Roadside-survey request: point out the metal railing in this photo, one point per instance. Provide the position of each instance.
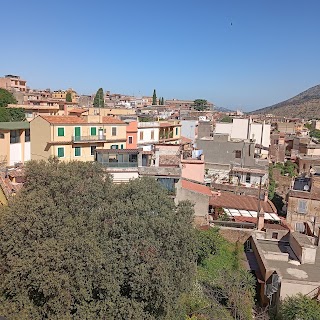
(120, 164)
(89, 138)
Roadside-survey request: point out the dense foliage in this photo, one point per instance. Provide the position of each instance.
(299, 307)
(200, 104)
(289, 168)
(227, 119)
(12, 114)
(69, 96)
(98, 101)
(223, 289)
(76, 246)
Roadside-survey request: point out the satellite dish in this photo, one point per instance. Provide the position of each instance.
(306, 188)
(312, 171)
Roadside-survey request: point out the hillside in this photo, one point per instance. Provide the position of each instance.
(304, 105)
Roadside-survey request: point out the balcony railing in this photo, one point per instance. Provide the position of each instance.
(88, 138)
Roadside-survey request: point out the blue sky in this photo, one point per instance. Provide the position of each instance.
(244, 54)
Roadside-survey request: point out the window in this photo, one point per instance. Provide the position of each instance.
(27, 135)
(93, 131)
(274, 235)
(114, 131)
(130, 140)
(60, 132)
(14, 136)
(248, 177)
(1, 135)
(60, 152)
(238, 154)
(141, 135)
(177, 131)
(92, 150)
(152, 134)
(302, 206)
(121, 147)
(114, 146)
(77, 151)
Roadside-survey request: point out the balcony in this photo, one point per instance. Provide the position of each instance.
(120, 164)
(81, 139)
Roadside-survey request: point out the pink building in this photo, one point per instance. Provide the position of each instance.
(132, 133)
(13, 83)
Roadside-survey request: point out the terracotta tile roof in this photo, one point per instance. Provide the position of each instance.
(245, 219)
(240, 202)
(185, 140)
(63, 119)
(112, 120)
(169, 124)
(200, 188)
(275, 226)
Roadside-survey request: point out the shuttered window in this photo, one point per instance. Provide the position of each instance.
(302, 206)
(60, 132)
(60, 152)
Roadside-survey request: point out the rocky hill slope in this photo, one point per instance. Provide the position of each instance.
(304, 105)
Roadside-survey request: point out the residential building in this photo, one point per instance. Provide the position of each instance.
(247, 129)
(74, 138)
(283, 266)
(303, 208)
(14, 143)
(13, 83)
(62, 95)
(277, 151)
(11, 181)
(150, 133)
(132, 135)
(189, 129)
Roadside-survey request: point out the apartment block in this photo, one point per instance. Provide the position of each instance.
(74, 138)
(13, 83)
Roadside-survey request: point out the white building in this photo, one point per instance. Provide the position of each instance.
(247, 129)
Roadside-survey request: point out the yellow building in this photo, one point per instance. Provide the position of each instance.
(74, 138)
(62, 95)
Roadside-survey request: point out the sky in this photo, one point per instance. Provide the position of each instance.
(238, 54)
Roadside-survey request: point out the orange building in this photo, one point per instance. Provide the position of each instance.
(132, 133)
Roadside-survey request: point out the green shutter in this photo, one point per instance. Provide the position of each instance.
(60, 152)
(177, 131)
(60, 132)
(77, 151)
(77, 131)
(121, 147)
(93, 131)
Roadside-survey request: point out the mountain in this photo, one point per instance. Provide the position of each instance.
(222, 109)
(304, 105)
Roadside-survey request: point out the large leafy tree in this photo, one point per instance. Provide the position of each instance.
(6, 98)
(11, 114)
(75, 246)
(98, 101)
(200, 104)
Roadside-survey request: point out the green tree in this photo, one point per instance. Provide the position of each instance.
(69, 96)
(76, 246)
(6, 98)
(159, 102)
(154, 98)
(200, 104)
(98, 101)
(226, 119)
(162, 101)
(299, 307)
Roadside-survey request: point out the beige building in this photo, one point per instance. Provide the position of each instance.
(75, 138)
(14, 143)
(62, 95)
(13, 83)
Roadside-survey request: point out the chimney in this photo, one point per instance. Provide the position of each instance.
(261, 219)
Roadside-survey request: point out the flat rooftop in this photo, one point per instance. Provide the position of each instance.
(291, 269)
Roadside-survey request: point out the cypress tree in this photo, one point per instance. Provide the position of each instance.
(98, 101)
(154, 98)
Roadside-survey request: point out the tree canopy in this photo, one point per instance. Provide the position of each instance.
(6, 98)
(200, 104)
(69, 96)
(76, 246)
(10, 114)
(98, 101)
(227, 119)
